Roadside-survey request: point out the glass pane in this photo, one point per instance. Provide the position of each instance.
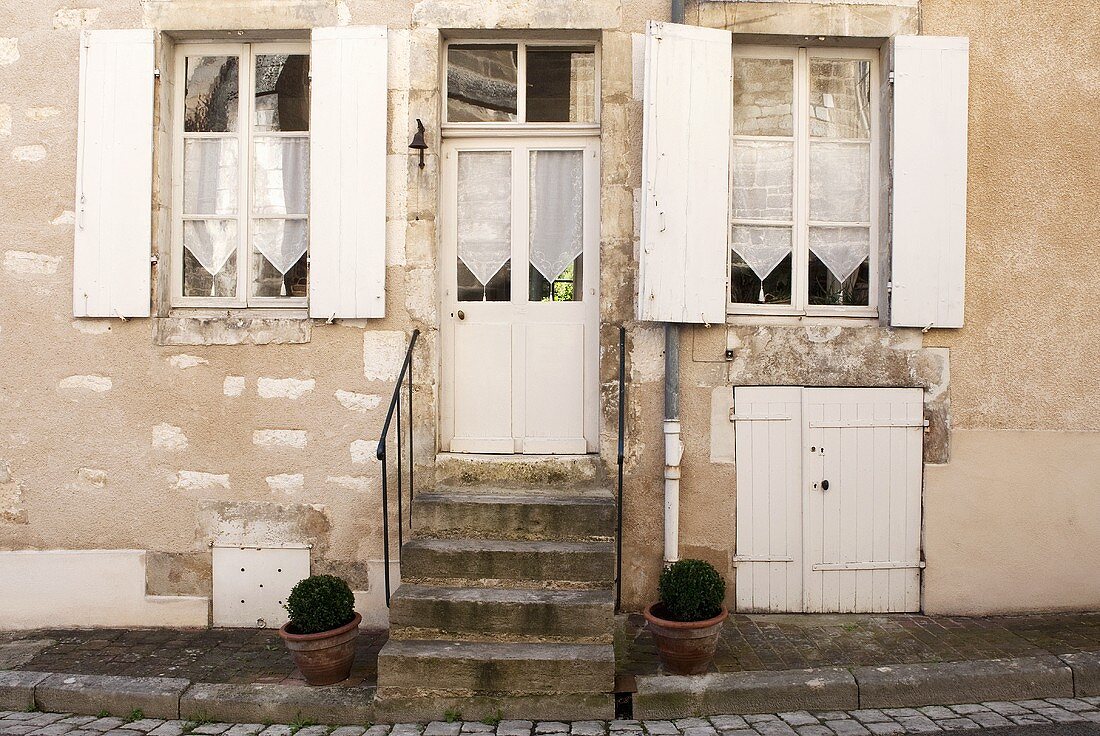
(561, 85)
(481, 84)
(763, 97)
(499, 288)
(211, 94)
(840, 266)
(556, 207)
(210, 171)
(484, 218)
(277, 246)
(566, 287)
(840, 98)
(763, 176)
(209, 257)
(840, 182)
(280, 184)
(282, 92)
(841, 250)
(747, 288)
(761, 249)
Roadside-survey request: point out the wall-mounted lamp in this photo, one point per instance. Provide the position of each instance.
(418, 143)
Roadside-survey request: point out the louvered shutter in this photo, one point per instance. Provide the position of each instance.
(929, 207)
(685, 174)
(114, 174)
(347, 212)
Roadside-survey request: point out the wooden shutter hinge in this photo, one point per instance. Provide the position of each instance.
(890, 78)
(154, 259)
(156, 73)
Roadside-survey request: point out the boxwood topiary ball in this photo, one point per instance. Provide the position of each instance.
(691, 590)
(320, 603)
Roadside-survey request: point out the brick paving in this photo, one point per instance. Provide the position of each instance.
(240, 656)
(866, 722)
(770, 642)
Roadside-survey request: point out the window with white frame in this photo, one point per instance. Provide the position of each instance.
(241, 175)
(804, 209)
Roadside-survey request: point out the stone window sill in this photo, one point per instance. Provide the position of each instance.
(240, 327)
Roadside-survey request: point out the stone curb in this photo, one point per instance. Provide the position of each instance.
(669, 696)
(658, 696)
(976, 681)
(270, 703)
(155, 697)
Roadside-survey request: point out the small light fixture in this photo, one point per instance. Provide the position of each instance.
(418, 143)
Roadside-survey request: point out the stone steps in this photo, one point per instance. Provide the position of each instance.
(417, 668)
(556, 471)
(516, 514)
(508, 560)
(503, 612)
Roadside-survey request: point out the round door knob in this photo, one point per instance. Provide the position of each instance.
(824, 485)
(461, 314)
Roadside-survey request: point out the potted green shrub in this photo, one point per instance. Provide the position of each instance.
(688, 618)
(322, 629)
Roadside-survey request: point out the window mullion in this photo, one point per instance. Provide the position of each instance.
(244, 211)
(521, 82)
(801, 256)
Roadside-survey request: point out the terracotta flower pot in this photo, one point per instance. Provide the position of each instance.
(685, 647)
(326, 657)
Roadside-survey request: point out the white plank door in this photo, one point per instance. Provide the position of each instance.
(114, 173)
(685, 174)
(520, 371)
(768, 433)
(828, 499)
(862, 476)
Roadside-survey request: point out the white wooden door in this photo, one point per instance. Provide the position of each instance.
(520, 298)
(829, 479)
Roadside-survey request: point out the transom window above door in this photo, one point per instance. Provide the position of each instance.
(804, 202)
(521, 82)
(241, 175)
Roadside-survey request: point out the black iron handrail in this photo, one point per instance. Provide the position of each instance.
(395, 407)
(621, 455)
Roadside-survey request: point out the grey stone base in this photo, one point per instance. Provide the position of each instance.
(156, 697)
(263, 703)
(561, 707)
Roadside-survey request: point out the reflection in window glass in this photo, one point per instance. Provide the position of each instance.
(482, 83)
(484, 224)
(840, 98)
(470, 289)
(763, 97)
(556, 213)
(282, 92)
(211, 94)
(561, 84)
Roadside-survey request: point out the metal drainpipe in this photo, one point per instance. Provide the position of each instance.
(674, 447)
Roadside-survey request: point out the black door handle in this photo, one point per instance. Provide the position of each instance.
(824, 485)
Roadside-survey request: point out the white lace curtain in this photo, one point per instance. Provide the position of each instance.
(484, 211)
(557, 210)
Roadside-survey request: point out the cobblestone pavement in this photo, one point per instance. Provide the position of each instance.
(867, 722)
(767, 642)
(240, 656)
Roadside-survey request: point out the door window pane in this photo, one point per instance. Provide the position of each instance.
(840, 98)
(210, 176)
(561, 85)
(556, 209)
(482, 83)
(211, 94)
(282, 92)
(763, 97)
(484, 223)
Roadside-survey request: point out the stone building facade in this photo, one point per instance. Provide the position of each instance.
(132, 449)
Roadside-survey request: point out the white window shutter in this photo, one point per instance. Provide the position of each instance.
(114, 175)
(685, 174)
(929, 208)
(347, 211)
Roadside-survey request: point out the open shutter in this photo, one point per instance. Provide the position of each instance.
(114, 175)
(685, 174)
(929, 209)
(347, 212)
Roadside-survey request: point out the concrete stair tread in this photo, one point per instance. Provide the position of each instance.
(504, 595)
(519, 495)
(507, 545)
(483, 651)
